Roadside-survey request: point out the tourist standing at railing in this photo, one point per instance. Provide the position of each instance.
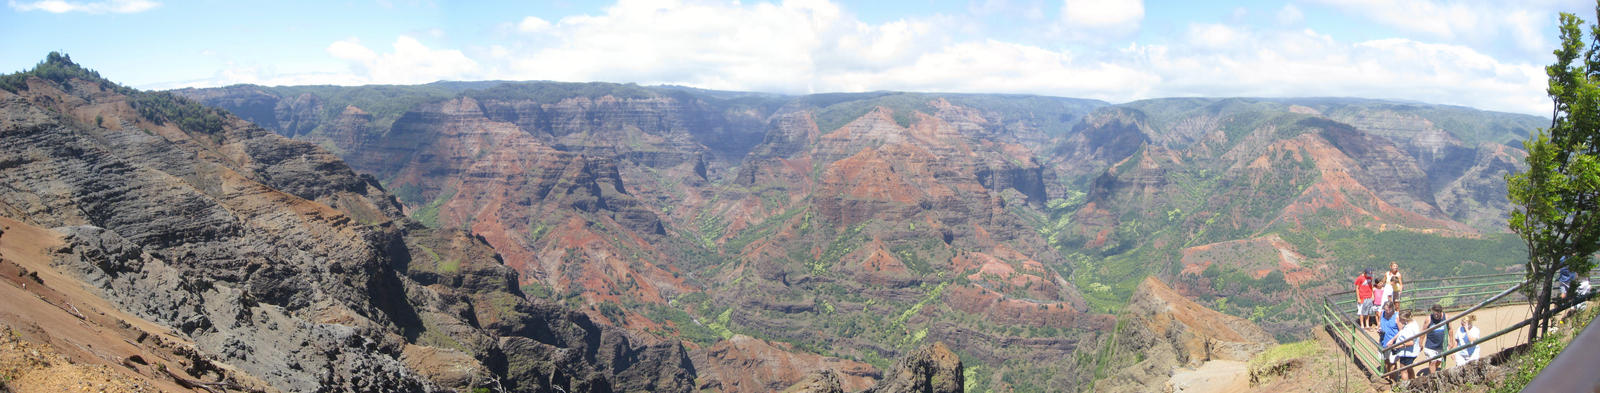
(1438, 338)
(1380, 300)
(1388, 327)
(1364, 305)
(1466, 334)
(1395, 279)
(1407, 353)
(1564, 279)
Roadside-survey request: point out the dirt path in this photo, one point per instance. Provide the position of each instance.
(1216, 376)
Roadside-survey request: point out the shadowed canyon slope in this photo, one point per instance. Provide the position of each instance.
(861, 226)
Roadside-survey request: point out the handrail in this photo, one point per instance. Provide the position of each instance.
(1363, 354)
(1472, 277)
(1348, 334)
(1447, 321)
(1552, 312)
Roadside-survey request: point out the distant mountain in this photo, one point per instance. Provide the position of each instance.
(862, 225)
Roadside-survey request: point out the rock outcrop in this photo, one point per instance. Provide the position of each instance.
(825, 381)
(931, 369)
(747, 364)
(1166, 331)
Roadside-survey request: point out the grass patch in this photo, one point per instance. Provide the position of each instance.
(1283, 352)
(429, 215)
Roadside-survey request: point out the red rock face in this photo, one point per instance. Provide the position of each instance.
(564, 220)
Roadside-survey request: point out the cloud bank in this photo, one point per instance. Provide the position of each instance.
(812, 46)
(92, 7)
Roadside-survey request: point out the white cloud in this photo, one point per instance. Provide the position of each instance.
(1212, 35)
(411, 62)
(810, 46)
(1101, 14)
(1521, 26)
(1307, 63)
(93, 7)
(1290, 15)
(814, 46)
(533, 24)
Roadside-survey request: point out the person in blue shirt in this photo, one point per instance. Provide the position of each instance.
(1564, 279)
(1411, 338)
(1388, 327)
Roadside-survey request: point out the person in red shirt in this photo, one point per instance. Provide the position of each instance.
(1365, 307)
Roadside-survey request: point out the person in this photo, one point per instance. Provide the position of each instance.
(1564, 278)
(1364, 304)
(1388, 293)
(1380, 298)
(1438, 338)
(1388, 326)
(1395, 279)
(1466, 334)
(1409, 336)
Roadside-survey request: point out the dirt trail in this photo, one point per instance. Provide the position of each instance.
(1216, 376)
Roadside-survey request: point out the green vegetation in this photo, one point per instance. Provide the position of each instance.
(1556, 202)
(158, 107)
(1422, 255)
(1283, 352)
(58, 67)
(834, 114)
(163, 107)
(429, 215)
(1539, 355)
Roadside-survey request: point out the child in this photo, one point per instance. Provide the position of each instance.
(1466, 334)
(1380, 297)
(1395, 279)
(1407, 353)
(1388, 326)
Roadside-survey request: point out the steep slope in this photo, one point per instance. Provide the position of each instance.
(575, 184)
(1165, 332)
(59, 335)
(277, 260)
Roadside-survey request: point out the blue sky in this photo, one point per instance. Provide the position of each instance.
(1486, 54)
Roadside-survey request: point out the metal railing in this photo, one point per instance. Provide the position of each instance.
(1371, 358)
(1475, 291)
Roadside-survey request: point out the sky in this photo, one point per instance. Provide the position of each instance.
(1483, 54)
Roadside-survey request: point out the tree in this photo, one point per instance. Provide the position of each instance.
(1556, 202)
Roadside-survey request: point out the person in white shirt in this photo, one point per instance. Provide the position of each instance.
(1407, 354)
(1466, 334)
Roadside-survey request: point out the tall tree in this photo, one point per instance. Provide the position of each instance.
(1557, 200)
